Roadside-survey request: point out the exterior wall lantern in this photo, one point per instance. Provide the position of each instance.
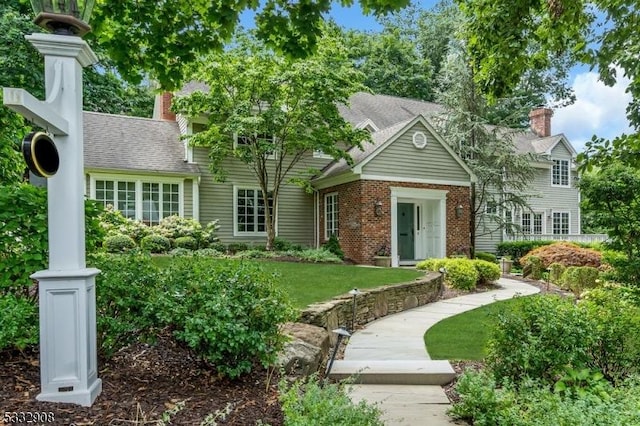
(459, 211)
(377, 208)
(67, 297)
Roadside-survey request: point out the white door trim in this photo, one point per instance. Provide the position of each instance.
(416, 195)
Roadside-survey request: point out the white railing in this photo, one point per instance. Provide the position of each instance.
(577, 238)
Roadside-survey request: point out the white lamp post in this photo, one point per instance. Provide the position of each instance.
(68, 359)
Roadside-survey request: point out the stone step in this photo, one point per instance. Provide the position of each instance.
(401, 372)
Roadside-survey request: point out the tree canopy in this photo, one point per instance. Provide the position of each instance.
(507, 38)
(160, 38)
(269, 112)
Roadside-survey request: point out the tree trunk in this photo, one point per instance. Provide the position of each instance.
(472, 224)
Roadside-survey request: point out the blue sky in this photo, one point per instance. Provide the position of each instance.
(598, 109)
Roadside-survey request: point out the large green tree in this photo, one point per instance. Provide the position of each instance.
(277, 109)
(612, 196)
(504, 175)
(507, 38)
(159, 38)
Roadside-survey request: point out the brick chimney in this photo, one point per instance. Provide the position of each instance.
(162, 107)
(540, 119)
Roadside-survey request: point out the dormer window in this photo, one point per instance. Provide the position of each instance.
(560, 173)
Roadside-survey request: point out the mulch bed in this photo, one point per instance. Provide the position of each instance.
(141, 383)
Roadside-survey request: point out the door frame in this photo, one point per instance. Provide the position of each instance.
(416, 196)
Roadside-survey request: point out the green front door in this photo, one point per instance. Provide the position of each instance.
(406, 238)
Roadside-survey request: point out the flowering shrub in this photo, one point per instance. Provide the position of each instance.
(173, 227)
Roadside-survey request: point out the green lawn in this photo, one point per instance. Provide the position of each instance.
(314, 282)
(464, 336)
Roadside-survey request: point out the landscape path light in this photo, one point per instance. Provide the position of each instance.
(342, 333)
(66, 290)
(355, 293)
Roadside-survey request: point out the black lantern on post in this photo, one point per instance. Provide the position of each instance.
(63, 17)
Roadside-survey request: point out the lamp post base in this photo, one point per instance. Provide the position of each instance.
(68, 352)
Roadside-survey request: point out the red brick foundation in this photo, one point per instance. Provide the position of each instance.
(361, 232)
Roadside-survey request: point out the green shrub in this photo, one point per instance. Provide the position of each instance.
(18, 322)
(461, 272)
(321, 255)
(115, 223)
(209, 235)
(333, 245)
(538, 337)
(209, 252)
(23, 235)
(118, 243)
(219, 247)
(280, 244)
(233, 248)
(432, 264)
(126, 290)
(154, 243)
(555, 273)
(489, 257)
(228, 314)
(488, 271)
(482, 402)
(533, 267)
(189, 243)
(617, 267)
(580, 278)
(254, 254)
(517, 249)
(181, 252)
(308, 402)
(174, 226)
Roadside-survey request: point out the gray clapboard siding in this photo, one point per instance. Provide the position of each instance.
(403, 159)
(187, 199)
(295, 207)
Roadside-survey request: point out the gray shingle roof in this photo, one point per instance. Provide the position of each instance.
(117, 142)
(384, 110)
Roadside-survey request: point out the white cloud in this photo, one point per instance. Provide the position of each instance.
(599, 110)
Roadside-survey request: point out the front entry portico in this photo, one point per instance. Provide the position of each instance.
(418, 225)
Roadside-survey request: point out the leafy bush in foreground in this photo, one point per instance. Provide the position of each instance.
(307, 402)
(483, 402)
(228, 314)
(18, 322)
(126, 292)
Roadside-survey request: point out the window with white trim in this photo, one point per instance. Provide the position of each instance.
(560, 223)
(140, 199)
(331, 224)
(508, 222)
(260, 139)
(532, 223)
(318, 153)
(491, 207)
(560, 173)
(250, 214)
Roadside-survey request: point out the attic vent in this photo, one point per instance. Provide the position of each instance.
(419, 140)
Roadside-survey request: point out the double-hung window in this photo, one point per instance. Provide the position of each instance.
(250, 211)
(560, 223)
(331, 224)
(263, 140)
(560, 173)
(532, 223)
(139, 199)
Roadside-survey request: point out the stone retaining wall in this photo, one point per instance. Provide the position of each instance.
(373, 304)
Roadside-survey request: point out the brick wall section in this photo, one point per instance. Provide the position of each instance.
(373, 304)
(361, 233)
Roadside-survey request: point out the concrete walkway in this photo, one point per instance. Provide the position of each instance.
(400, 337)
